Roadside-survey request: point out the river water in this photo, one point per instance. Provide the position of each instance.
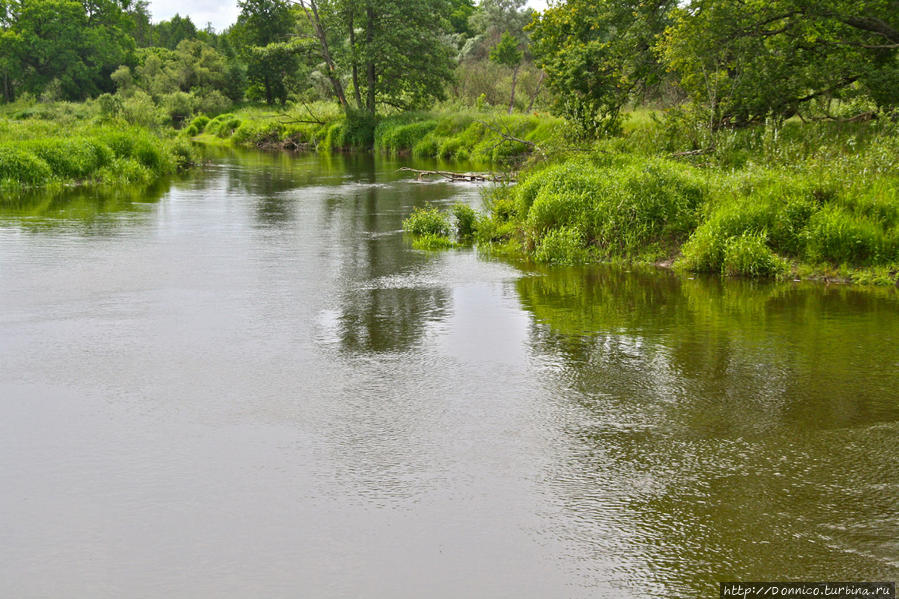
(246, 383)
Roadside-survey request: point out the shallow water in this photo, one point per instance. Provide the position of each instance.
(246, 383)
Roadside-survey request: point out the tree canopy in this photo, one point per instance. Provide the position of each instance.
(740, 61)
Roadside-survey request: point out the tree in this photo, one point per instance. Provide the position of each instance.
(272, 70)
(262, 22)
(507, 53)
(393, 51)
(74, 45)
(747, 61)
(597, 54)
(168, 34)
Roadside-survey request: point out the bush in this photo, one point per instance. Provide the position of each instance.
(213, 102)
(427, 221)
(200, 121)
(21, 167)
(465, 218)
(842, 237)
(748, 255)
(179, 106)
(563, 246)
(140, 110)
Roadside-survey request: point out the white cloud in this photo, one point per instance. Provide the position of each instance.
(220, 14)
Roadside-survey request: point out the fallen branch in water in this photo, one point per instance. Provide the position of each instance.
(468, 177)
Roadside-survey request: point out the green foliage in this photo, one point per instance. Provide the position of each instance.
(395, 52)
(465, 220)
(272, 71)
(621, 208)
(179, 106)
(62, 49)
(749, 255)
(427, 221)
(18, 166)
(32, 155)
(563, 246)
(595, 53)
(744, 62)
(839, 236)
(507, 52)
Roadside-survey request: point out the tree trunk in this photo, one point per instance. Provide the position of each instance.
(514, 83)
(537, 91)
(311, 9)
(370, 67)
(352, 27)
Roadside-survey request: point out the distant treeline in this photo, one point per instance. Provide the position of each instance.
(722, 63)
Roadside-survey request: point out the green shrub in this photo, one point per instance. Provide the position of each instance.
(179, 106)
(140, 110)
(427, 221)
(842, 237)
(200, 122)
(75, 158)
(563, 246)
(391, 136)
(212, 102)
(465, 218)
(749, 255)
(21, 167)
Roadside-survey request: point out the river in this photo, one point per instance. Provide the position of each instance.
(247, 383)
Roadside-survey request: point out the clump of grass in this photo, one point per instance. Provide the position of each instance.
(842, 237)
(563, 246)
(32, 154)
(427, 221)
(396, 135)
(749, 255)
(433, 243)
(465, 221)
(620, 208)
(18, 166)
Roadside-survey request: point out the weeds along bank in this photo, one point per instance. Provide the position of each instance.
(74, 148)
(800, 200)
(476, 136)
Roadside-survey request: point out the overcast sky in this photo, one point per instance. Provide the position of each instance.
(221, 14)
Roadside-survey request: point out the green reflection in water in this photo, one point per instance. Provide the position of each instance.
(94, 210)
(727, 430)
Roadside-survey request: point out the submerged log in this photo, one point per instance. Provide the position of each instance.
(467, 177)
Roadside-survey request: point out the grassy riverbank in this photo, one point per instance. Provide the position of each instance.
(486, 137)
(71, 144)
(798, 200)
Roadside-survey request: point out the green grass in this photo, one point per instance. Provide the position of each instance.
(481, 137)
(34, 152)
(803, 200)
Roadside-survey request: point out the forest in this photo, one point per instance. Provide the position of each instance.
(738, 136)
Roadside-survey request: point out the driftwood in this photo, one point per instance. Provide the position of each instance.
(468, 177)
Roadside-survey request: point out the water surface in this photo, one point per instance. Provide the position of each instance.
(247, 383)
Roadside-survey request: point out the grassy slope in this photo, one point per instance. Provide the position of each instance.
(469, 136)
(70, 144)
(802, 200)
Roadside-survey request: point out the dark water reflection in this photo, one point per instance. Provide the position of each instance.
(246, 383)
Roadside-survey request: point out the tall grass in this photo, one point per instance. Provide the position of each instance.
(33, 154)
